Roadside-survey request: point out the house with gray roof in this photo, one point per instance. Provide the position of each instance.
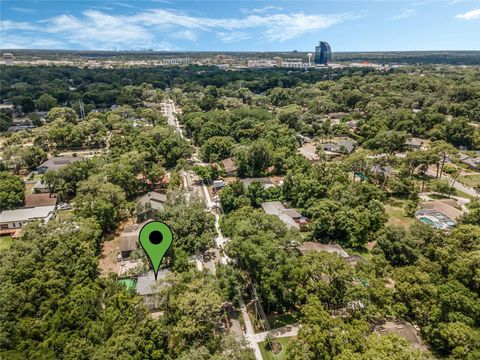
(290, 217)
(343, 146)
(17, 218)
(265, 181)
(148, 288)
(56, 163)
(414, 143)
(149, 204)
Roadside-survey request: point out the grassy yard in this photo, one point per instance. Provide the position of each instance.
(470, 180)
(269, 355)
(65, 214)
(281, 320)
(396, 216)
(362, 252)
(5, 242)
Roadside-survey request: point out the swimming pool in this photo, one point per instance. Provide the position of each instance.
(430, 222)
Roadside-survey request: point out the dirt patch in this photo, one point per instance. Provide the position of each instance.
(108, 257)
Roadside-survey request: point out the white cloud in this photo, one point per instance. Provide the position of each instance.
(274, 27)
(233, 36)
(23, 10)
(6, 25)
(471, 15)
(20, 42)
(94, 29)
(261, 10)
(185, 35)
(99, 30)
(406, 14)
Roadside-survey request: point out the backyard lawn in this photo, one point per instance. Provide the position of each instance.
(5, 242)
(396, 216)
(470, 180)
(267, 354)
(281, 320)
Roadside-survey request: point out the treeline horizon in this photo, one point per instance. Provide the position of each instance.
(448, 57)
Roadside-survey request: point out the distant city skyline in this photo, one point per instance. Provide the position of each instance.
(241, 26)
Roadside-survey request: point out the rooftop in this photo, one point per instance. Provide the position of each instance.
(128, 242)
(265, 181)
(287, 216)
(414, 141)
(402, 329)
(34, 200)
(25, 214)
(310, 246)
(155, 199)
(146, 284)
(229, 165)
(58, 162)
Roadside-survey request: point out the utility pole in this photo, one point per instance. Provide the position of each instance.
(82, 109)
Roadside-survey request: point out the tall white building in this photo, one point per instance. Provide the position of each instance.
(8, 58)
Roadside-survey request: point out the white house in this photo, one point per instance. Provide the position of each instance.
(15, 219)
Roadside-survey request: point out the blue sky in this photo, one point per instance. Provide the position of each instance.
(241, 25)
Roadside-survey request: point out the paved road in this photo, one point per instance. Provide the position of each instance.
(251, 338)
(432, 172)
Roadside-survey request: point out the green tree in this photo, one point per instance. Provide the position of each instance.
(217, 148)
(46, 102)
(33, 156)
(5, 120)
(398, 247)
(12, 191)
(193, 227)
(65, 113)
(101, 200)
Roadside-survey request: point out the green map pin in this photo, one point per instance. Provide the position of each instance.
(155, 238)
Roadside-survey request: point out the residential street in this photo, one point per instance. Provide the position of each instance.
(432, 172)
(193, 187)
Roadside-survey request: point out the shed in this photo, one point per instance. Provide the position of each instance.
(128, 243)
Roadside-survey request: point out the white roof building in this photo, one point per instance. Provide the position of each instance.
(288, 216)
(14, 219)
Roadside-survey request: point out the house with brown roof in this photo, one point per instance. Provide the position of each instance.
(229, 166)
(129, 239)
(33, 200)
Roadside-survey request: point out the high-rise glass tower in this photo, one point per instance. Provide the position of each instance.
(323, 53)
